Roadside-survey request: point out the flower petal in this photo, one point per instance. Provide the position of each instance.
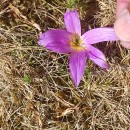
(121, 5)
(99, 35)
(56, 40)
(97, 56)
(122, 28)
(77, 64)
(72, 22)
(126, 44)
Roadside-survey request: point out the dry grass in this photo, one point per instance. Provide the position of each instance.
(106, 14)
(36, 91)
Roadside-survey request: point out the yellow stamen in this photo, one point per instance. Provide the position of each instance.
(76, 43)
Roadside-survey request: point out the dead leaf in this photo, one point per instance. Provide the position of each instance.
(66, 112)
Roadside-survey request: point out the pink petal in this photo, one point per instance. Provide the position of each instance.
(126, 44)
(122, 28)
(122, 23)
(120, 6)
(72, 22)
(77, 64)
(97, 56)
(99, 35)
(56, 40)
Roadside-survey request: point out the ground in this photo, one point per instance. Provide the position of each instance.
(36, 91)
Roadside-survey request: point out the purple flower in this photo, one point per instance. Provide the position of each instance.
(78, 46)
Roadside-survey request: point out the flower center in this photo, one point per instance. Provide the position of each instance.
(76, 43)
